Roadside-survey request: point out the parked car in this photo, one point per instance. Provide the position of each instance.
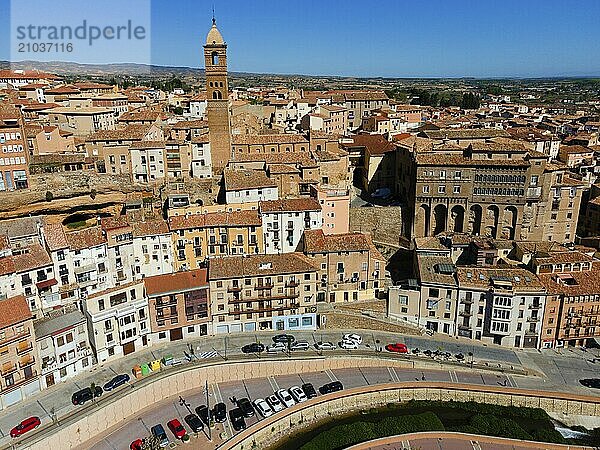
(176, 428)
(116, 382)
(309, 390)
(194, 422)
(382, 193)
(591, 383)
(236, 417)
(277, 347)
(274, 403)
(285, 338)
(220, 412)
(263, 408)
(348, 345)
(285, 398)
(352, 337)
(397, 348)
(325, 346)
(246, 407)
(204, 413)
(298, 394)
(328, 388)
(84, 395)
(160, 434)
(31, 423)
(300, 345)
(254, 347)
(136, 445)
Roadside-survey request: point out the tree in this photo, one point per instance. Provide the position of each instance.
(469, 101)
(49, 196)
(93, 194)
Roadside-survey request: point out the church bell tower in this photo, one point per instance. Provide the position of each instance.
(215, 63)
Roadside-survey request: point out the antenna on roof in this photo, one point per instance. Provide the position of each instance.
(213, 17)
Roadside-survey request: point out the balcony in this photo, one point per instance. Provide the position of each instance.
(22, 350)
(533, 319)
(234, 289)
(7, 369)
(465, 313)
(264, 298)
(263, 286)
(8, 339)
(292, 284)
(535, 306)
(467, 301)
(28, 361)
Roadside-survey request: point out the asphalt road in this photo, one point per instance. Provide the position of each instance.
(562, 369)
(252, 389)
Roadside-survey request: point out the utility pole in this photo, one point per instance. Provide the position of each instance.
(208, 410)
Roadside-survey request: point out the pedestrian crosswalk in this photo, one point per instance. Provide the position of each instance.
(209, 354)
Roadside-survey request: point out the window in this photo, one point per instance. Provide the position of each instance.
(441, 189)
(442, 174)
(456, 189)
(425, 189)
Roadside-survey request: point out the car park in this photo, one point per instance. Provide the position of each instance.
(309, 390)
(254, 347)
(398, 347)
(194, 422)
(591, 383)
(236, 417)
(246, 407)
(31, 423)
(220, 412)
(263, 407)
(298, 394)
(325, 346)
(352, 337)
(348, 345)
(116, 382)
(277, 347)
(284, 338)
(176, 428)
(300, 345)
(285, 397)
(328, 388)
(160, 434)
(204, 414)
(84, 395)
(274, 403)
(138, 444)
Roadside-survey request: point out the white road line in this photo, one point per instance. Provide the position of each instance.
(393, 374)
(219, 399)
(273, 383)
(331, 375)
(512, 381)
(406, 445)
(453, 376)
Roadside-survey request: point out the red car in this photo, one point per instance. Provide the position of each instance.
(136, 445)
(177, 429)
(25, 426)
(397, 348)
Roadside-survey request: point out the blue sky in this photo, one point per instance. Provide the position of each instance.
(391, 38)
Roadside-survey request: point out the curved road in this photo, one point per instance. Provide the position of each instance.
(561, 371)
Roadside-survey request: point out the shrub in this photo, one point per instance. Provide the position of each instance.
(49, 196)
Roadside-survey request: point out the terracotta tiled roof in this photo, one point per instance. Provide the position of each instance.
(13, 310)
(375, 144)
(148, 145)
(572, 283)
(479, 133)
(150, 228)
(482, 277)
(292, 204)
(258, 265)
(131, 132)
(216, 219)
(238, 180)
(266, 139)
(7, 266)
(33, 257)
(86, 238)
(315, 241)
(56, 237)
(175, 282)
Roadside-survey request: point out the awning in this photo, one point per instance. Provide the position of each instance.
(46, 283)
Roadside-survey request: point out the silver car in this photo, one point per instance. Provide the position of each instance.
(285, 398)
(275, 403)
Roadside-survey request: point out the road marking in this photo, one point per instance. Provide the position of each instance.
(453, 376)
(393, 374)
(331, 375)
(406, 445)
(273, 383)
(219, 399)
(210, 354)
(512, 381)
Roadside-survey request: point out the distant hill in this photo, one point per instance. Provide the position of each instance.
(71, 68)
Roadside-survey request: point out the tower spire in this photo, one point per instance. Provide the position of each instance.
(213, 17)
